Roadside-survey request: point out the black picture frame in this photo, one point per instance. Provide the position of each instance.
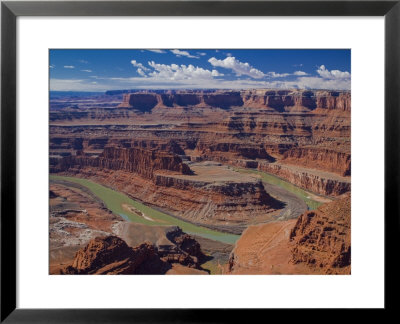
(11, 10)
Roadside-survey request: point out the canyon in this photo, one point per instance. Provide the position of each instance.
(183, 152)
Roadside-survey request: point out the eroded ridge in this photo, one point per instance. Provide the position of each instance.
(318, 242)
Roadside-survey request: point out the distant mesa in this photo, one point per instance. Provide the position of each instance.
(278, 100)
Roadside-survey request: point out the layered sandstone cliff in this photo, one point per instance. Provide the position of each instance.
(323, 183)
(318, 242)
(226, 151)
(91, 114)
(278, 100)
(148, 100)
(319, 158)
(286, 100)
(322, 239)
(295, 124)
(136, 160)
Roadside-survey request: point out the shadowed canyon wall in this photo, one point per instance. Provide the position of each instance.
(136, 160)
(279, 100)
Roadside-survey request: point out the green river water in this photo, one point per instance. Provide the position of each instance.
(114, 201)
(269, 178)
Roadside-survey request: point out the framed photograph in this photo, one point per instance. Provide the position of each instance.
(241, 154)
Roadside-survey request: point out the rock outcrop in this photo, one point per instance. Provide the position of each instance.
(334, 100)
(111, 255)
(264, 249)
(172, 244)
(318, 242)
(187, 251)
(322, 239)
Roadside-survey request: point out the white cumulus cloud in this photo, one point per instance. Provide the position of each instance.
(176, 72)
(139, 65)
(321, 83)
(89, 71)
(183, 53)
(157, 51)
(333, 74)
(141, 72)
(69, 67)
(277, 75)
(238, 67)
(300, 73)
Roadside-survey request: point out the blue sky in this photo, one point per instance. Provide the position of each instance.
(101, 70)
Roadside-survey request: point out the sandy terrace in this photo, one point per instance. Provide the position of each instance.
(214, 172)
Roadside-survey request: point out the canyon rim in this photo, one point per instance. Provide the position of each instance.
(200, 161)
